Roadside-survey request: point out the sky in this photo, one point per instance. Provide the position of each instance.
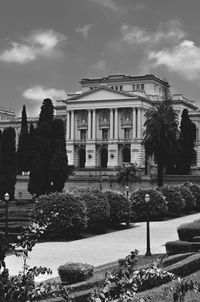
(48, 46)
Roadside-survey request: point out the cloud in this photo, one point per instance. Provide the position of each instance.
(37, 44)
(183, 58)
(171, 30)
(39, 93)
(108, 4)
(84, 30)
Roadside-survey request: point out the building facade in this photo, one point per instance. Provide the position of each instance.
(105, 121)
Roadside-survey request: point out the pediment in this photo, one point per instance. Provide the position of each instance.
(101, 94)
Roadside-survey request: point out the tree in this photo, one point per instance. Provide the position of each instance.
(47, 111)
(8, 163)
(160, 136)
(23, 152)
(126, 173)
(186, 144)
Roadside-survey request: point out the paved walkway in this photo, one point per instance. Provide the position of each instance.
(101, 249)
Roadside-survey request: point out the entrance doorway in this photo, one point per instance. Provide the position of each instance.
(82, 158)
(126, 155)
(104, 157)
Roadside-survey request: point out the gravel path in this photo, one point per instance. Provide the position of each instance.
(101, 249)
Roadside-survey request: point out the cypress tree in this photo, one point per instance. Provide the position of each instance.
(47, 112)
(23, 152)
(8, 163)
(186, 144)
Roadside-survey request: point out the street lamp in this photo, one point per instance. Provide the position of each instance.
(147, 200)
(127, 195)
(6, 198)
(127, 191)
(100, 183)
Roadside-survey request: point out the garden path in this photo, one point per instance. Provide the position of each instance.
(101, 249)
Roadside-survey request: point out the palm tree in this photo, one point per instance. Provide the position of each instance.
(161, 134)
(126, 173)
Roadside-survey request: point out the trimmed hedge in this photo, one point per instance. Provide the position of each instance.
(174, 259)
(157, 204)
(75, 272)
(62, 211)
(185, 267)
(188, 230)
(195, 190)
(120, 206)
(174, 200)
(178, 247)
(98, 208)
(187, 195)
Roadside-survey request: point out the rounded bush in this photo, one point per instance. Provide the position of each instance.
(189, 230)
(174, 200)
(177, 247)
(120, 206)
(61, 211)
(187, 195)
(98, 208)
(195, 190)
(157, 204)
(75, 272)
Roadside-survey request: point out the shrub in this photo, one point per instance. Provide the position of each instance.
(174, 258)
(119, 206)
(174, 200)
(75, 272)
(185, 267)
(177, 247)
(187, 195)
(195, 190)
(187, 231)
(98, 208)
(157, 204)
(62, 211)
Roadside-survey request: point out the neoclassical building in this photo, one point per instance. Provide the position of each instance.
(105, 121)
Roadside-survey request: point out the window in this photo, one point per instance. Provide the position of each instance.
(116, 87)
(127, 133)
(120, 87)
(138, 86)
(83, 134)
(133, 87)
(142, 86)
(105, 134)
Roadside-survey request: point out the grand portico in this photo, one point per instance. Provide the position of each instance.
(105, 121)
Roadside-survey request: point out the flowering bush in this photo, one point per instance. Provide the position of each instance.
(125, 282)
(75, 272)
(120, 206)
(187, 195)
(61, 211)
(157, 206)
(98, 208)
(174, 200)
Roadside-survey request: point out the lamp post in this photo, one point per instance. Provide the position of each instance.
(100, 182)
(127, 195)
(127, 191)
(6, 198)
(147, 200)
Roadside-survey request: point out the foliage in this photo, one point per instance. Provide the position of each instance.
(98, 208)
(177, 247)
(174, 200)
(126, 173)
(120, 206)
(75, 272)
(188, 197)
(47, 112)
(61, 211)
(195, 190)
(157, 206)
(23, 151)
(187, 231)
(8, 163)
(186, 266)
(186, 144)
(126, 281)
(160, 136)
(169, 260)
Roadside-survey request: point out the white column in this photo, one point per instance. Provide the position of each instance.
(139, 122)
(94, 124)
(89, 124)
(68, 125)
(111, 123)
(72, 124)
(134, 123)
(116, 123)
